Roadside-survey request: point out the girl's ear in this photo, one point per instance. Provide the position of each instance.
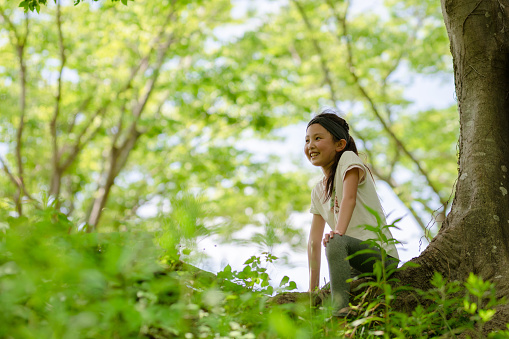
(340, 145)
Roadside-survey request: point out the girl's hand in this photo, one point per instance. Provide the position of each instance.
(329, 236)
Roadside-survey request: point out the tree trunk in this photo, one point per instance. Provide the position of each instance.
(475, 235)
(118, 158)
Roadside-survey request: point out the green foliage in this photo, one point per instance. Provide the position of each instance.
(255, 277)
(91, 68)
(451, 307)
(202, 106)
(35, 5)
(56, 284)
(210, 94)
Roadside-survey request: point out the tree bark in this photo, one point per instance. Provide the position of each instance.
(19, 42)
(56, 176)
(475, 235)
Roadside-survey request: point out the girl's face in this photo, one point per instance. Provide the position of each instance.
(320, 147)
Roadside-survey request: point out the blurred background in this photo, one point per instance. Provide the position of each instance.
(189, 117)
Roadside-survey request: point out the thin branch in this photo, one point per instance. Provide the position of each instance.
(395, 65)
(390, 181)
(141, 67)
(80, 109)
(10, 24)
(384, 83)
(19, 43)
(351, 69)
(119, 155)
(79, 145)
(157, 113)
(150, 85)
(56, 177)
(7, 171)
(20, 49)
(120, 123)
(72, 194)
(134, 134)
(13, 179)
(316, 44)
(328, 77)
(95, 131)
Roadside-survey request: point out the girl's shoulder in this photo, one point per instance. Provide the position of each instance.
(348, 158)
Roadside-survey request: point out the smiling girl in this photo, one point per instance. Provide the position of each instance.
(339, 200)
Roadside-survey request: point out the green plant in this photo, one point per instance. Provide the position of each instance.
(377, 312)
(255, 277)
(480, 300)
(448, 308)
(55, 284)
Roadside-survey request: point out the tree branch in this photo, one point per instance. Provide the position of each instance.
(14, 180)
(142, 66)
(82, 107)
(351, 69)
(78, 145)
(7, 171)
(316, 44)
(57, 170)
(119, 154)
(328, 76)
(19, 43)
(10, 24)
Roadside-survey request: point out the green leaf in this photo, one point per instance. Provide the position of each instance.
(486, 315)
(292, 286)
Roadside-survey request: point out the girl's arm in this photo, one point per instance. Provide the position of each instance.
(347, 206)
(315, 250)
(350, 184)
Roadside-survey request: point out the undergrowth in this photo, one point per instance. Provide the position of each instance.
(133, 285)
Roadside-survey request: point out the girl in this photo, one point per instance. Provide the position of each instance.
(339, 200)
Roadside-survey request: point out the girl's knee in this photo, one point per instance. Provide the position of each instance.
(335, 244)
(338, 240)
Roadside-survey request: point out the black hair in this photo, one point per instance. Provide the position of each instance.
(339, 129)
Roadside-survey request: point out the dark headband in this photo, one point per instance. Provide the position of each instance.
(338, 131)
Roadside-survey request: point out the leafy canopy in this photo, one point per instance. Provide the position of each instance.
(35, 5)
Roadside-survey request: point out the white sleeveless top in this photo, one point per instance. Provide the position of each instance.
(366, 195)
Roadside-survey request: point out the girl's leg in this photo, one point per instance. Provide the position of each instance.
(336, 251)
(339, 270)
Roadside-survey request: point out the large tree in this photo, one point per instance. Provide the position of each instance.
(475, 235)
